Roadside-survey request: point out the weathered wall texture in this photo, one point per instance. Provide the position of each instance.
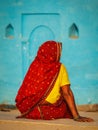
(32, 22)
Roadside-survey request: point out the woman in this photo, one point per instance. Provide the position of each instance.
(45, 92)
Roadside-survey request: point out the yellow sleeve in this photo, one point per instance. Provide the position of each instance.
(64, 76)
(62, 80)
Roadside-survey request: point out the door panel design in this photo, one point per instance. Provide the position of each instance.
(39, 35)
(36, 29)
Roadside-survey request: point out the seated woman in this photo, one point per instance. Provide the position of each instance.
(45, 92)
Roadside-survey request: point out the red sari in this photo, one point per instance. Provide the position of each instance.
(39, 82)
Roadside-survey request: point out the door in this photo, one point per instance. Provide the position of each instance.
(36, 29)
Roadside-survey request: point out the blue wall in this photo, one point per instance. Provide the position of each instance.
(79, 55)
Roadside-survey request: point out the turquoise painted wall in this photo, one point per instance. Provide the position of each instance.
(79, 55)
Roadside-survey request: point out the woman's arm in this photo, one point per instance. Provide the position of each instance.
(69, 97)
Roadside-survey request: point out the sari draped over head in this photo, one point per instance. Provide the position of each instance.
(39, 80)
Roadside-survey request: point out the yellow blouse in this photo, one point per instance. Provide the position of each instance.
(62, 80)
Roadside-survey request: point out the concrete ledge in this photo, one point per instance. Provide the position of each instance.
(88, 107)
(9, 122)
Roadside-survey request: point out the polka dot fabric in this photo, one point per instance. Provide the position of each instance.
(38, 80)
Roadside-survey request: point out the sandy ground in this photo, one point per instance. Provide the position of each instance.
(8, 121)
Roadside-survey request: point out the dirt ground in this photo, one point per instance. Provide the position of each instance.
(8, 121)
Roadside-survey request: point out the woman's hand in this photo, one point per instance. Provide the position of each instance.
(69, 97)
(83, 119)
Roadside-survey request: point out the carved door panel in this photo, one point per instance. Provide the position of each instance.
(36, 29)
